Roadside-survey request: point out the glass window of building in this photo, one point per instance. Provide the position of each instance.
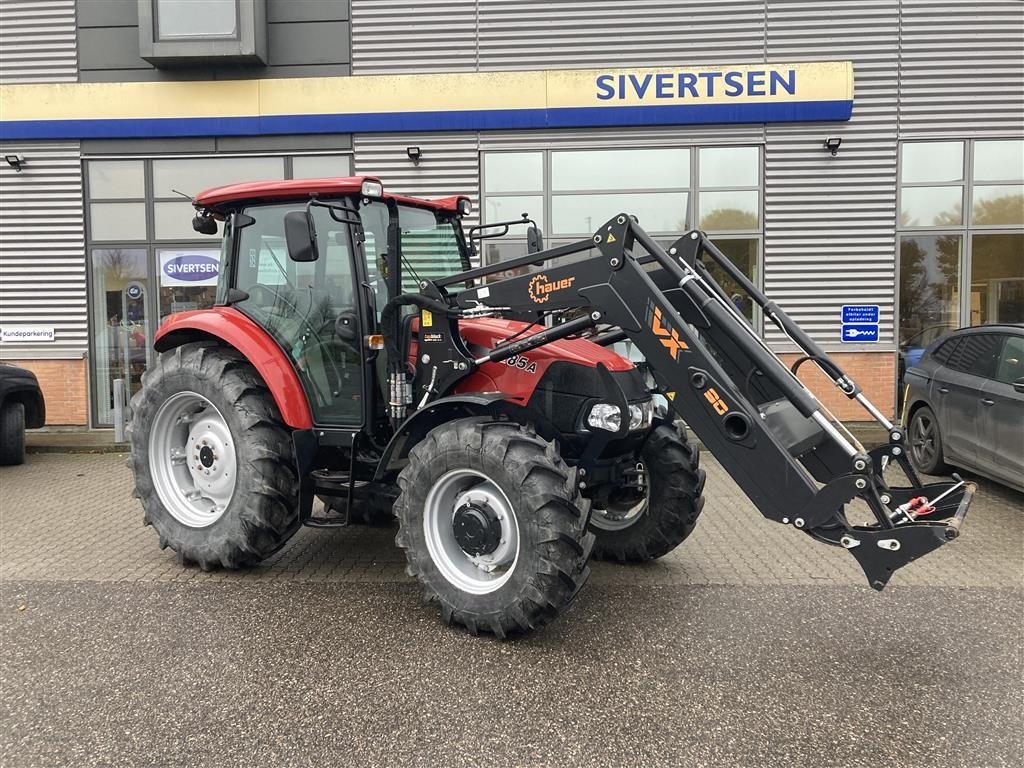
(961, 237)
(729, 210)
(572, 192)
(190, 19)
(146, 261)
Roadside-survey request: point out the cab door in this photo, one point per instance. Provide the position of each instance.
(311, 309)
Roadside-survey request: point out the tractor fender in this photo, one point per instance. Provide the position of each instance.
(416, 427)
(229, 326)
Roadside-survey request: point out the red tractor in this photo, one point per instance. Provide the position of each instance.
(355, 354)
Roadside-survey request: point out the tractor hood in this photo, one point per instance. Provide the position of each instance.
(488, 332)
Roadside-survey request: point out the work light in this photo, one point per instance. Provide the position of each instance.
(372, 188)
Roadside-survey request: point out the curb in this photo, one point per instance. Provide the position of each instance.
(103, 448)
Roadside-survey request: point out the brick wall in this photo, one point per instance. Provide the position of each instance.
(65, 389)
(875, 372)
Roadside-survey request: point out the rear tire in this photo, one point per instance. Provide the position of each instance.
(212, 460)
(926, 442)
(504, 472)
(638, 532)
(12, 434)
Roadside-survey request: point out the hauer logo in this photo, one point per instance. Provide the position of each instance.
(192, 267)
(541, 288)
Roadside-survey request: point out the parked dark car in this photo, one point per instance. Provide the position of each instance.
(965, 404)
(21, 406)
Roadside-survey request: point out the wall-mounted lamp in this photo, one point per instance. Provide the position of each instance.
(414, 154)
(832, 144)
(15, 161)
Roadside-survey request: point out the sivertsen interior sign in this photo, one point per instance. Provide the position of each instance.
(189, 268)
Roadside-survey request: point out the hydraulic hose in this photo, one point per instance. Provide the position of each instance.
(398, 384)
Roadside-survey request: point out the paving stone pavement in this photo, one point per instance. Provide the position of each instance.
(71, 517)
(751, 645)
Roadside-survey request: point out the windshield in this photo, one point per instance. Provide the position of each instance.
(430, 247)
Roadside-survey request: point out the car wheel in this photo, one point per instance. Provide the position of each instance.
(12, 434)
(926, 442)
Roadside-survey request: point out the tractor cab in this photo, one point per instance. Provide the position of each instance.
(322, 299)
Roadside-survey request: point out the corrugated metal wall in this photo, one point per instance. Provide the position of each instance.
(962, 68)
(433, 36)
(830, 221)
(468, 35)
(551, 34)
(42, 235)
(42, 248)
(450, 164)
(37, 41)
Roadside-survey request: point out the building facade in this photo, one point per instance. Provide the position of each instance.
(721, 115)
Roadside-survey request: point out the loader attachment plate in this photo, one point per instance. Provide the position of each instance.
(881, 551)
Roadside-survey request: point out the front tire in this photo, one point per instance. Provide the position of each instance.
(493, 525)
(212, 460)
(12, 434)
(635, 530)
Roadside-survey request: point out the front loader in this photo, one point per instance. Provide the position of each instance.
(356, 356)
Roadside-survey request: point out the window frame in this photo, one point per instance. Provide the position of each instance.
(247, 46)
(149, 243)
(965, 230)
(201, 37)
(693, 190)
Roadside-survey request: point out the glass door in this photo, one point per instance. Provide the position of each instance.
(122, 326)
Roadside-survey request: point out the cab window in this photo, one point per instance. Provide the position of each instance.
(430, 247)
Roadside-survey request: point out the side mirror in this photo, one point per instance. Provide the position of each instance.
(534, 240)
(205, 225)
(299, 235)
(1018, 385)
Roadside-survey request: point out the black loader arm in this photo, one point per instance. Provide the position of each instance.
(766, 429)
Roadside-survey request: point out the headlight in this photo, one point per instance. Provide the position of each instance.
(605, 416)
(609, 418)
(642, 415)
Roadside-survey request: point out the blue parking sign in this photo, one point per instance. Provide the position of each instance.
(860, 333)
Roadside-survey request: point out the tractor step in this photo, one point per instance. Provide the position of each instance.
(345, 502)
(334, 483)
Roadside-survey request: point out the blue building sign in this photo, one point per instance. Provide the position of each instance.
(860, 323)
(860, 334)
(860, 313)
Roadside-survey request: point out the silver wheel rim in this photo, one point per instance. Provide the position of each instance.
(476, 575)
(192, 459)
(620, 517)
(922, 439)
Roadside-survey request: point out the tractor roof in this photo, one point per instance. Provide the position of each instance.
(296, 189)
